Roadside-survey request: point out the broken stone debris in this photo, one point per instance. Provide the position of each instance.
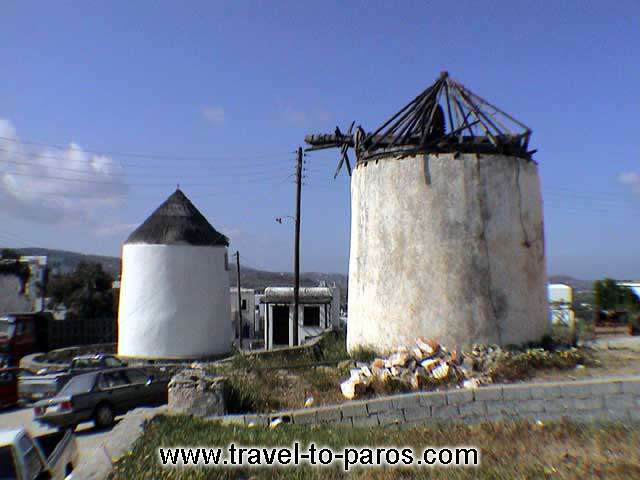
(424, 363)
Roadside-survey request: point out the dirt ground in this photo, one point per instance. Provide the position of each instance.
(323, 384)
(609, 363)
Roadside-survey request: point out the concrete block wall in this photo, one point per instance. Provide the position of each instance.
(596, 399)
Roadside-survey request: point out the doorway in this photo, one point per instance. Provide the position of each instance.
(280, 325)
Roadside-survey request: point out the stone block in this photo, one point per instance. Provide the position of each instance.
(631, 386)
(379, 405)
(354, 409)
(606, 388)
(588, 416)
(625, 401)
(456, 397)
(558, 405)
(445, 412)
(588, 403)
(506, 407)
(516, 392)
(488, 393)
(433, 399)
(346, 422)
(474, 409)
(391, 417)
(405, 401)
(616, 415)
(305, 417)
(232, 420)
(256, 420)
(194, 392)
(577, 389)
(546, 391)
(370, 421)
(328, 414)
(417, 413)
(530, 406)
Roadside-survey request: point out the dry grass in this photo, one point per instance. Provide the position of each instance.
(276, 382)
(559, 450)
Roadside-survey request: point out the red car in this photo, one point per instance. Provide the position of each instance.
(8, 387)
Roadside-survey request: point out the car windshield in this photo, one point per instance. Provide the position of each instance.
(79, 384)
(7, 467)
(7, 328)
(86, 363)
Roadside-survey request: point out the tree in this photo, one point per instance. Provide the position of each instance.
(610, 296)
(87, 292)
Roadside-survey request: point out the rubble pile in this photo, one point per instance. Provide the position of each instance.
(424, 364)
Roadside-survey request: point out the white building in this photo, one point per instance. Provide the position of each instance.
(20, 293)
(261, 309)
(248, 310)
(317, 313)
(560, 298)
(174, 293)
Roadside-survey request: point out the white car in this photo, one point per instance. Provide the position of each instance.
(23, 457)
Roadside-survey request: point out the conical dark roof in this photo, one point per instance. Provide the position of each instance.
(177, 222)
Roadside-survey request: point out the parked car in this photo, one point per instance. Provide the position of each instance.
(100, 396)
(36, 387)
(51, 456)
(8, 387)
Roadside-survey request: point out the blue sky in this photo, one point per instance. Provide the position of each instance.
(216, 96)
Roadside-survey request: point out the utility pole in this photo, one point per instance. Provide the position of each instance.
(239, 301)
(296, 258)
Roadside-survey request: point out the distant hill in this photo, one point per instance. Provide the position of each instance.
(260, 279)
(67, 261)
(249, 277)
(580, 285)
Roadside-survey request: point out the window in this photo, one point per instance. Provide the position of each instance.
(137, 377)
(226, 261)
(244, 304)
(32, 461)
(113, 380)
(112, 362)
(79, 384)
(7, 465)
(311, 316)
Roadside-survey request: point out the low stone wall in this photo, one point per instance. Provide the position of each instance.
(599, 399)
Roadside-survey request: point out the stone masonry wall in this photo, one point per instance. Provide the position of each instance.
(599, 399)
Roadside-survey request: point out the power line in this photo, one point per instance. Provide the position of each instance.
(101, 182)
(142, 155)
(248, 170)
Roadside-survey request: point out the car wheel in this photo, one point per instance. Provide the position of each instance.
(103, 416)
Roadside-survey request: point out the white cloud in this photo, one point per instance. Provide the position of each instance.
(632, 179)
(54, 185)
(115, 229)
(214, 114)
(301, 118)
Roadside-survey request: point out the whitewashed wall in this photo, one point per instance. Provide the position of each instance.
(248, 314)
(174, 302)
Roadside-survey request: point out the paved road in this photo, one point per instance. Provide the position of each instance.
(88, 438)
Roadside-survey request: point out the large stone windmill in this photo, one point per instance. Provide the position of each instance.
(446, 224)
